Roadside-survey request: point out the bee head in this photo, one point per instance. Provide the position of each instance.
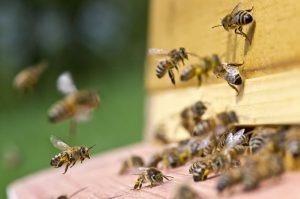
(226, 22)
(183, 54)
(84, 151)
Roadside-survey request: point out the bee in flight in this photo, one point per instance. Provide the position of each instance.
(26, 79)
(77, 104)
(231, 74)
(152, 175)
(236, 20)
(171, 61)
(131, 163)
(201, 68)
(68, 155)
(73, 194)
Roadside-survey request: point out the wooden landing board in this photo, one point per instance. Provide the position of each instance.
(270, 99)
(188, 23)
(100, 177)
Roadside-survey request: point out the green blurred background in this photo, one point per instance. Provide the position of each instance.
(102, 43)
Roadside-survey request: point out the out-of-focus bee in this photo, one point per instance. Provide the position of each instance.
(230, 73)
(191, 115)
(292, 149)
(130, 163)
(236, 20)
(29, 77)
(219, 124)
(69, 155)
(70, 196)
(175, 157)
(186, 192)
(77, 104)
(12, 157)
(154, 160)
(152, 175)
(171, 61)
(229, 179)
(200, 69)
(265, 166)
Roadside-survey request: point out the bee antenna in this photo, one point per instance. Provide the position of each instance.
(216, 26)
(91, 147)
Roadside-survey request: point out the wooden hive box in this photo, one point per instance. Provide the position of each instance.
(270, 96)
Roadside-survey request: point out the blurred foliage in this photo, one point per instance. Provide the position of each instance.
(102, 43)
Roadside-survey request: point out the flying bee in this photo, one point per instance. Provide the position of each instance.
(200, 69)
(131, 163)
(26, 79)
(186, 192)
(191, 115)
(69, 155)
(171, 61)
(77, 104)
(152, 175)
(230, 73)
(236, 20)
(73, 194)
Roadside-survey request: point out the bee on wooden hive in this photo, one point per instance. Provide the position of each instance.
(231, 74)
(151, 175)
(191, 115)
(69, 155)
(186, 192)
(70, 196)
(172, 59)
(26, 79)
(77, 104)
(292, 148)
(130, 163)
(200, 69)
(236, 20)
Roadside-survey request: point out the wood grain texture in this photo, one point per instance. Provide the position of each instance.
(270, 99)
(187, 23)
(100, 177)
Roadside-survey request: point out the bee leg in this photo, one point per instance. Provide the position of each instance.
(235, 64)
(250, 10)
(81, 160)
(232, 86)
(172, 77)
(138, 184)
(199, 80)
(239, 31)
(59, 164)
(66, 169)
(74, 162)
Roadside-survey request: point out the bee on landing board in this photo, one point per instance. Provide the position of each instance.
(236, 20)
(231, 74)
(68, 155)
(73, 194)
(170, 61)
(26, 79)
(151, 175)
(77, 104)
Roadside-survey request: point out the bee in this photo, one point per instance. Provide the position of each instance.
(77, 104)
(171, 61)
(73, 194)
(200, 69)
(264, 166)
(155, 159)
(26, 79)
(236, 20)
(175, 157)
(131, 163)
(152, 175)
(231, 74)
(191, 115)
(186, 192)
(69, 155)
(292, 148)
(229, 179)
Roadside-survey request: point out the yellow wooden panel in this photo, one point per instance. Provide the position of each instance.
(275, 45)
(270, 99)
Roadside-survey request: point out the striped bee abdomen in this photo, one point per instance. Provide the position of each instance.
(256, 142)
(160, 70)
(59, 112)
(243, 17)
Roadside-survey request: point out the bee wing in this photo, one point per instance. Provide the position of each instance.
(59, 144)
(233, 140)
(138, 171)
(157, 51)
(65, 83)
(235, 9)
